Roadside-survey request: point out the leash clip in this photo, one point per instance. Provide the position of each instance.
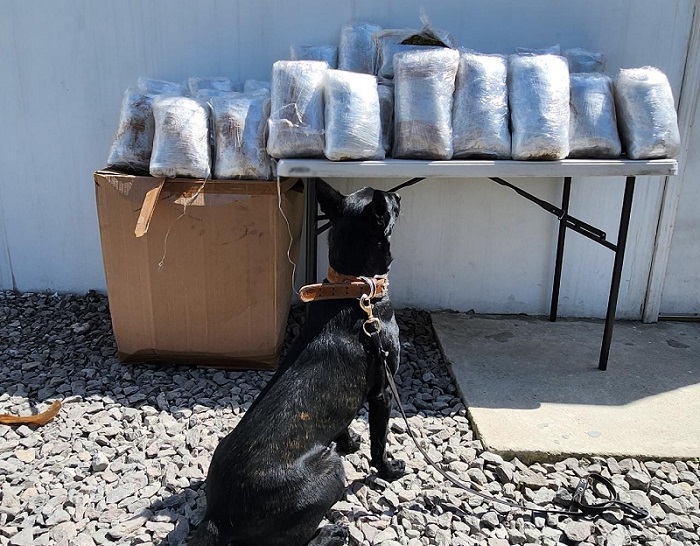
(367, 307)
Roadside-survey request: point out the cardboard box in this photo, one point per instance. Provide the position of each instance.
(198, 271)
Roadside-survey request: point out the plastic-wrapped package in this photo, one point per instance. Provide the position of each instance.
(538, 94)
(326, 53)
(584, 60)
(353, 121)
(207, 94)
(240, 131)
(217, 83)
(424, 83)
(386, 112)
(131, 149)
(296, 124)
(357, 51)
(393, 41)
(646, 114)
(480, 113)
(160, 87)
(389, 44)
(256, 85)
(181, 141)
(593, 125)
(550, 50)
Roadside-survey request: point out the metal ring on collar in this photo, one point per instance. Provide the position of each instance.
(372, 286)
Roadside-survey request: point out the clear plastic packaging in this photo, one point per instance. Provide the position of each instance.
(353, 121)
(150, 86)
(388, 43)
(538, 94)
(584, 60)
(593, 126)
(357, 51)
(646, 114)
(424, 84)
(181, 141)
(549, 50)
(240, 131)
(326, 53)
(393, 41)
(216, 83)
(132, 145)
(296, 125)
(386, 112)
(256, 85)
(480, 113)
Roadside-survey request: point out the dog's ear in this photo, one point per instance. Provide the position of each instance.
(379, 206)
(330, 200)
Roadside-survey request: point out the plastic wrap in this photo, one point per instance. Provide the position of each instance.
(207, 94)
(326, 53)
(388, 43)
(593, 125)
(424, 83)
(160, 87)
(480, 113)
(357, 51)
(584, 60)
(353, 121)
(217, 83)
(549, 50)
(538, 94)
(181, 141)
(646, 114)
(240, 131)
(296, 125)
(131, 149)
(386, 112)
(256, 85)
(393, 41)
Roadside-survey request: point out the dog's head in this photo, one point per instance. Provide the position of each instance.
(361, 226)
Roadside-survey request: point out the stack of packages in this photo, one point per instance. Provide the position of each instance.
(398, 93)
(207, 128)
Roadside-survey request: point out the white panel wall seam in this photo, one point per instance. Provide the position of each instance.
(687, 107)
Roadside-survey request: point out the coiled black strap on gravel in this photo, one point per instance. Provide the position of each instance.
(581, 508)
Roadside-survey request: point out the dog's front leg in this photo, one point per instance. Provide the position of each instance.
(379, 411)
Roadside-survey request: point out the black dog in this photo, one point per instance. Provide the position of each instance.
(275, 476)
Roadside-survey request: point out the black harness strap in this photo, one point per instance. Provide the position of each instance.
(581, 507)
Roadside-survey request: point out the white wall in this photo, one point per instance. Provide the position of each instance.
(461, 244)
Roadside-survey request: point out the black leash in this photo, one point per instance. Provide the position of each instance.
(372, 327)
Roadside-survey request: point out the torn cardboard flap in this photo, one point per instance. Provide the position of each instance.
(185, 191)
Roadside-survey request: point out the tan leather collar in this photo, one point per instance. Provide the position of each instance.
(345, 287)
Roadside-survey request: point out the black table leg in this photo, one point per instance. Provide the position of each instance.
(560, 250)
(311, 236)
(617, 272)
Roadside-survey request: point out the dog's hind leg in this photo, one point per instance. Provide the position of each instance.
(379, 411)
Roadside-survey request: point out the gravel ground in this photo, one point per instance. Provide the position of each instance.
(125, 459)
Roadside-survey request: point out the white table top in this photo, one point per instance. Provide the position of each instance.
(410, 168)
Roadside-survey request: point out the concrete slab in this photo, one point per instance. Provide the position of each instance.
(533, 389)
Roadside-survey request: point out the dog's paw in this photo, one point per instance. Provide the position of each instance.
(347, 443)
(330, 535)
(391, 469)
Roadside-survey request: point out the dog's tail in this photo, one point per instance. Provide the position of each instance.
(207, 534)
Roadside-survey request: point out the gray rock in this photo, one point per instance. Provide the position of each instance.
(638, 480)
(578, 531)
